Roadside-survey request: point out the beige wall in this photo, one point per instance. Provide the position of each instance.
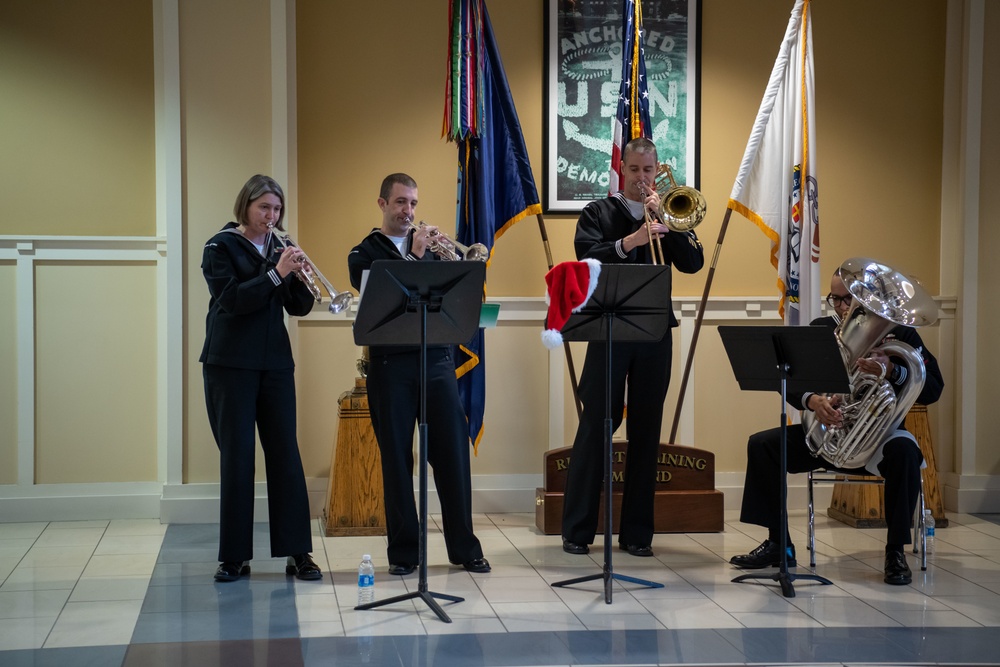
(226, 118)
(8, 371)
(77, 129)
(879, 113)
(988, 366)
(95, 374)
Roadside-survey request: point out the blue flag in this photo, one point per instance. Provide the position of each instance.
(495, 187)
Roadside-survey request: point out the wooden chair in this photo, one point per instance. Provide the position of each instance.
(829, 477)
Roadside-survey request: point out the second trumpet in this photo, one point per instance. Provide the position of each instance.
(309, 274)
(446, 248)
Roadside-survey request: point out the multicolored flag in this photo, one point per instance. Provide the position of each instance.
(777, 186)
(495, 184)
(632, 117)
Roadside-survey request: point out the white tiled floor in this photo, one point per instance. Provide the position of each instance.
(86, 583)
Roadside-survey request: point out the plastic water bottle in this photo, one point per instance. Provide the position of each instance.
(366, 580)
(929, 532)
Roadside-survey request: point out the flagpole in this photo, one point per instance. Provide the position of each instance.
(569, 353)
(697, 327)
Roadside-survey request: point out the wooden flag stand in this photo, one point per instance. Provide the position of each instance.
(354, 504)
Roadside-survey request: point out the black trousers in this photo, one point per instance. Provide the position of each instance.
(237, 400)
(394, 404)
(900, 467)
(645, 368)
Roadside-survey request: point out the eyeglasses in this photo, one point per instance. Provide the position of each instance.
(836, 299)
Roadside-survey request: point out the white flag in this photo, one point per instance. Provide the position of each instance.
(777, 186)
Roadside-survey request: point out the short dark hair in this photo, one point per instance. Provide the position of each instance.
(640, 145)
(258, 186)
(391, 180)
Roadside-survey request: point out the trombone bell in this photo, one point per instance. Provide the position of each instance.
(682, 208)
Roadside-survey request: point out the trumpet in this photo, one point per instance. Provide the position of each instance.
(446, 248)
(311, 276)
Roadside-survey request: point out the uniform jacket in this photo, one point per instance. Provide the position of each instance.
(604, 222)
(245, 327)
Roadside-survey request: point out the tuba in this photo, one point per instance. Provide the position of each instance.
(882, 299)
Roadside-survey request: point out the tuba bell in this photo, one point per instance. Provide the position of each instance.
(882, 299)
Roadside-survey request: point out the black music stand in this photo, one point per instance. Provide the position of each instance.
(637, 297)
(436, 303)
(784, 359)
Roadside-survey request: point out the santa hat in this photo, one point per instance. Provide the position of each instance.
(569, 286)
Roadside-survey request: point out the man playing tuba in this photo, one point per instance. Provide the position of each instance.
(897, 457)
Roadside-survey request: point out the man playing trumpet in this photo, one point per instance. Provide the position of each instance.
(394, 402)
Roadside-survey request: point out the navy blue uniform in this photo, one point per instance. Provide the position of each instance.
(249, 380)
(644, 367)
(898, 462)
(394, 403)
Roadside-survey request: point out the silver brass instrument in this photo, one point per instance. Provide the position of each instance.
(445, 248)
(881, 299)
(310, 275)
(681, 209)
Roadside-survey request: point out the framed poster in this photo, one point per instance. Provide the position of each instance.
(583, 74)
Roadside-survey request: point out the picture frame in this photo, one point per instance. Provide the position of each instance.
(583, 74)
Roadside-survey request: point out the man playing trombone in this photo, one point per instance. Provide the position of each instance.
(617, 230)
(394, 401)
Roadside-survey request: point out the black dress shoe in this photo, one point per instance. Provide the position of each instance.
(768, 554)
(575, 548)
(641, 550)
(230, 571)
(897, 572)
(477, 565)
(303, 567)
(401, 569)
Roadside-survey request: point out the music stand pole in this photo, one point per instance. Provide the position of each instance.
(608, 572)
(416, 286)
(772, 345)
(422, 591)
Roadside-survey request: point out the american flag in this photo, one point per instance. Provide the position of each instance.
(632, 118)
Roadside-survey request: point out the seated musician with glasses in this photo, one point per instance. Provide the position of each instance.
(898, 460)
(394, 402)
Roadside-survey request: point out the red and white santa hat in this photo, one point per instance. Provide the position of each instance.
(569, 285)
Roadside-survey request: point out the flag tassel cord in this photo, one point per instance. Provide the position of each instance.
(569, 353)
(697, 327)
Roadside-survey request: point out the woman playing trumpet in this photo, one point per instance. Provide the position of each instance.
(248, 371)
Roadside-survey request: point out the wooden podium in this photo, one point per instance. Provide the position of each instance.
(686, 500)
(354, 504)
(863, 505)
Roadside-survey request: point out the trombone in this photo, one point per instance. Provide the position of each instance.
(309, 274)
(681, 209)
(445, 248)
